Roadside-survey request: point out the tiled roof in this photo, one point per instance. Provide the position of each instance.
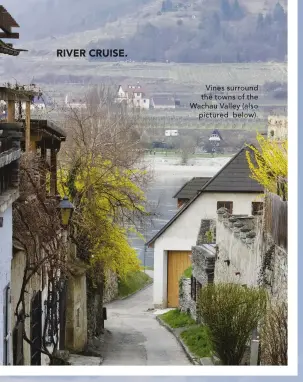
(235, 176)
(191, 188)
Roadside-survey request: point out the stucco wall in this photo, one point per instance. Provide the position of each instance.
(35, 284)
(239, 256)
(76, 314)
(183, 233)
(5, 267)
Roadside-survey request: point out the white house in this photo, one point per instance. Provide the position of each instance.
(75, 102)
(9, 192)
(231, 188)
(215, 136)
(171, 133)
(133, 96)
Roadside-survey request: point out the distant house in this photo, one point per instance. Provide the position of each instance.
(133, 96)
(231, 188)
(161, 102)
(189, 190)
(171, 133)
(75, 102)
(215, 136)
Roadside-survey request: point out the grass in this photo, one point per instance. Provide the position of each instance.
(198, 342)
(188, 272)
(133, 282)
(176, 319)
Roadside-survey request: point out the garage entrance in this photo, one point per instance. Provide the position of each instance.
(177, 262)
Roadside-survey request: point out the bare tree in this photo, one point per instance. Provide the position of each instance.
(37, 231)
(187, 147)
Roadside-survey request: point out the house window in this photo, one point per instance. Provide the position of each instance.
(193, 288)
(256, 208)
(227, 205)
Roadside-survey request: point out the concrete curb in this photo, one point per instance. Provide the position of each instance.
(137, 291)
(189, 355)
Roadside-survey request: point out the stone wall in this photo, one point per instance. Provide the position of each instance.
(248, 256)
(186, 303)
(203, 263)
(238, 257)
(111, 287)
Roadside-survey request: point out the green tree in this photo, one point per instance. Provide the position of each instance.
(269, 165)
(102, 174)
(231, 312)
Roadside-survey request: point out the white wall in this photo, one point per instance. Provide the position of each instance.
(183, 233)
(6, 246)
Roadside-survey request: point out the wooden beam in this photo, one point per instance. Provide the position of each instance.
(27, 126)
(11, 111)
(9, 35)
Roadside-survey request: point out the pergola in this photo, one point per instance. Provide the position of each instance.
(7, 22)
(12, 96)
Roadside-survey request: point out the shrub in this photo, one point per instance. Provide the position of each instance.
(274, 335)
(231, 312)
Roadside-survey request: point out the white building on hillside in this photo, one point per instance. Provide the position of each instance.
(133, 96)
(74, 102)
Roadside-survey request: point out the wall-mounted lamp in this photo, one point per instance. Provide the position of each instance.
(66, 208)
(237, 273)
(227, 262)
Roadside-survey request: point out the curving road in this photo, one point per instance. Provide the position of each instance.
(135, 337)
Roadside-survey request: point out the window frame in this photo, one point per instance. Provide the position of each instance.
(224, 203)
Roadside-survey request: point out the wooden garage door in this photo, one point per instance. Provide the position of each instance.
(177, 262)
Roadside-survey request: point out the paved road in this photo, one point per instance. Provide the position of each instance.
(136, 337)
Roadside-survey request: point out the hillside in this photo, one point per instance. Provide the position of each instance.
(158, 30)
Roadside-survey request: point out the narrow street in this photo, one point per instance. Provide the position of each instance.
(135, 337)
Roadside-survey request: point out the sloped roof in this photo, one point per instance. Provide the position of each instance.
(233, 177)
(161, 100)
(217, 132)
(190, 189)
(132, 88)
